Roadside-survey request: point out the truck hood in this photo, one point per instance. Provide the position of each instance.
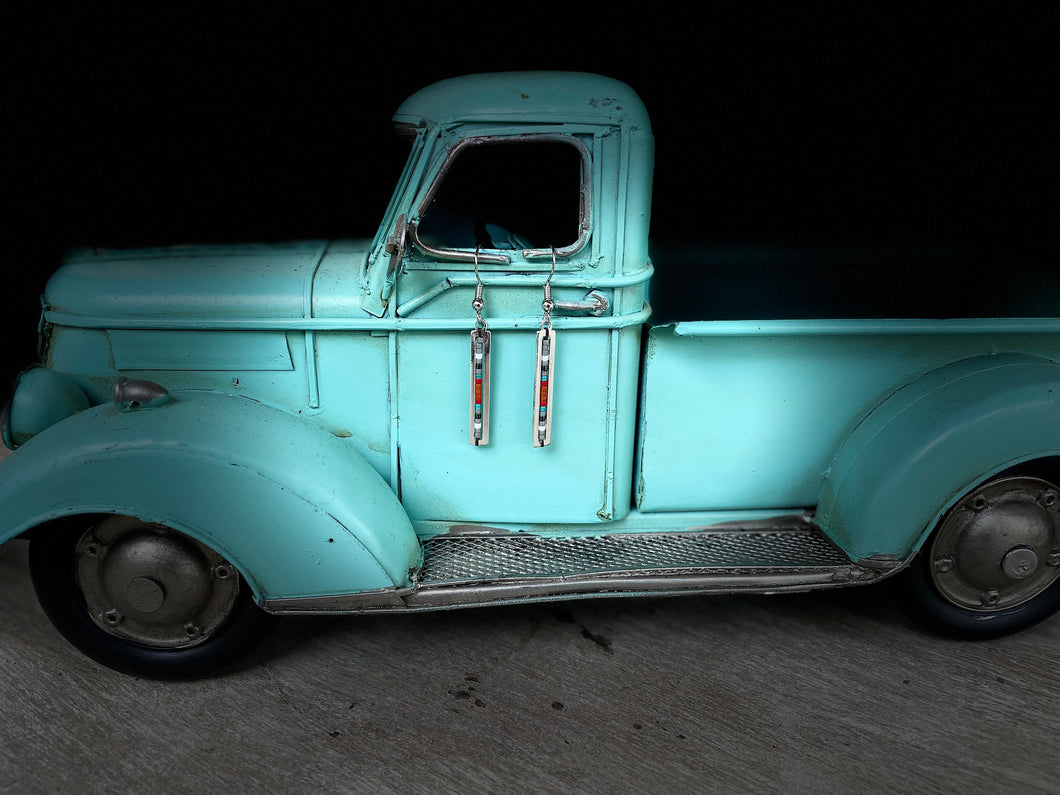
(267, 280)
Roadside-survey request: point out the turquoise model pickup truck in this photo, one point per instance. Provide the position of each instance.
(479, 407)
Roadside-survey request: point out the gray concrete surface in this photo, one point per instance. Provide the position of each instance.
(827, 692)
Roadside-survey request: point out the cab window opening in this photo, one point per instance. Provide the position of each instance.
(507, 196)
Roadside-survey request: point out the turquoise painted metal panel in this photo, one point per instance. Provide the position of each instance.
(567, 97)
(186, 349)
(81, 354)
(443, 477)
(353, 386)
(289, 504)
(339, 280)
(755, 411)
(41, 397)
(931, 442)
(186, 282)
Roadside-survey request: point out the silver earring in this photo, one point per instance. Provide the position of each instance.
(480, 369)
(544, 380)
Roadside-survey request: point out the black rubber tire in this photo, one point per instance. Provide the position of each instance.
(933, 611)
(51, 563)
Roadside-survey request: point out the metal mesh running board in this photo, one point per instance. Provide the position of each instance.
(472, 569)
(503, 557)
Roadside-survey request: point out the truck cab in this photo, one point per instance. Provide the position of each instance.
(477, 407)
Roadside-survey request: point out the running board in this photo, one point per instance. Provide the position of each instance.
(471, 569)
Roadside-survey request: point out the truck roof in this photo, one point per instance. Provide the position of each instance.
(526, 96)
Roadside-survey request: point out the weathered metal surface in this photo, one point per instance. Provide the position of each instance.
(999, 546)
(264, 280)
(480, 565)
(511, 556)
(526, 96)
(151, 585)
(41, 397)
(917, 452)
(258, 485)
(321, 406)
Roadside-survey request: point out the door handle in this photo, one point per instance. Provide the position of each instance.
(595, 304)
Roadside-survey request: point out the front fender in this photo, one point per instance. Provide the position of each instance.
(929, 442)
(292, 506)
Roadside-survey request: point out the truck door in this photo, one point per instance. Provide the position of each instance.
(501, 217)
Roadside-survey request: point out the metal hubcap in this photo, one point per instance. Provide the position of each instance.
(999, 546)
(152, 585)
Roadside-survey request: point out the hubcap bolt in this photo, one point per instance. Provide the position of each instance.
(989, 598)
(112, 617)
(943, 565)
(191, 629)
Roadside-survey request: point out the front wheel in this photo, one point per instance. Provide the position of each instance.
(991, 566)
(142, 598)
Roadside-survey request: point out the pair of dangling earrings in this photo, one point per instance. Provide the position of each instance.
(543, 370)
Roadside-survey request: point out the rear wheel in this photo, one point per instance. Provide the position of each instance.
(992, 565)
(142, 598)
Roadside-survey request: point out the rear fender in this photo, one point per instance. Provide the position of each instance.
(930, 442)
(289, 504)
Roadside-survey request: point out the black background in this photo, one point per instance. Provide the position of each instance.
(881, 127)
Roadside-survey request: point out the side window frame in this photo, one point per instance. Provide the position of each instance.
(487, 258)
